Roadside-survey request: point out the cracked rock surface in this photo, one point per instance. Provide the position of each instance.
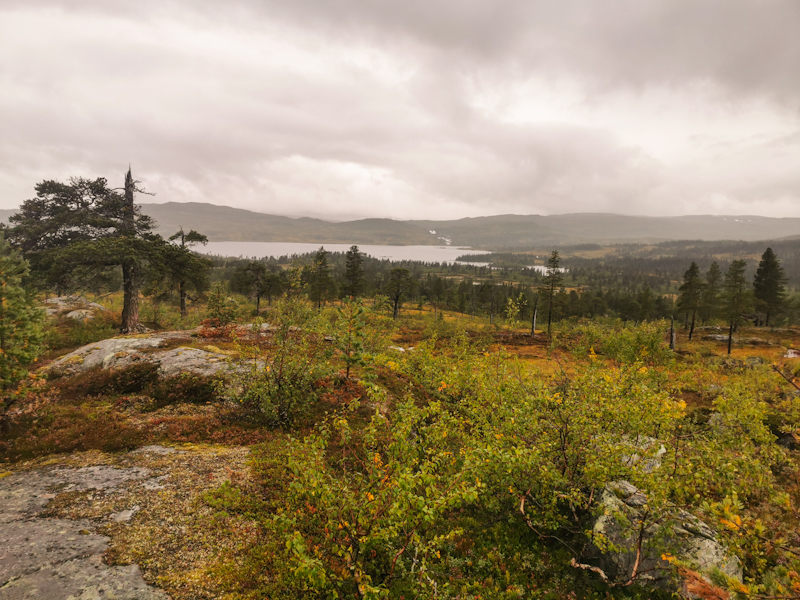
(55, 559)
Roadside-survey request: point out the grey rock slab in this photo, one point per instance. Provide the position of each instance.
(82, 579)
(99, 477)
(106, 353)
(58, 559)
(27, 546)
(193, 360)
(718, 338)
(119, 352)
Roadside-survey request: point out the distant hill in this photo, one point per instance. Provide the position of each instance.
(511, 231)
(5, 213)
(223, 223)
(226, 224)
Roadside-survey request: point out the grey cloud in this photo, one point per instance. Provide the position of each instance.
(238, 129)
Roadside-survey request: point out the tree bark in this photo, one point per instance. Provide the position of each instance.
(730, 337)
(130, 285)
(691, 329)
(130, 306)
(535, 314)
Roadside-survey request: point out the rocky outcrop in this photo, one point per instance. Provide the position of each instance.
(73, 307)
(59, 558)
(124, 351)
(640, 554)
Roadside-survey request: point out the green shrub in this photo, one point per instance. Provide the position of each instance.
(69, 333)
(223, 309)
(184, 388)
(98, 381)
(281, 382)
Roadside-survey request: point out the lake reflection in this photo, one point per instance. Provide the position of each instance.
(440, 254)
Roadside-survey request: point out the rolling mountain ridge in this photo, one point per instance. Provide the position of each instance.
(224, 223)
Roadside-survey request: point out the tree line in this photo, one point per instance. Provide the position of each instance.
(86, 235)
(730, 297)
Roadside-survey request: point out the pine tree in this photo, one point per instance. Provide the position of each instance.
(20, 327)
(690, 292)
(184, 267)
(551, 283)
(736, 296)
(86, 227)
(254, 279)
(353, 273)
(400, 283)
(317, 275)
(769, 285)
(710, 296)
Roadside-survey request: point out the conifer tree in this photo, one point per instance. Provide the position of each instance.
(86, 226)
(317, 275)
(690, 292)
(20, 327)
(353, 273)
(184, 267)
(254, 279)
(400, 283)
(769, 285)
(551, 283)
(710, 296)
(736, 296)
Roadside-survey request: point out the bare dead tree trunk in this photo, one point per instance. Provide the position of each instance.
(130, 307)
(535, 314)
(130, 284)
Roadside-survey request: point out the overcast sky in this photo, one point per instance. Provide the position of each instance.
(409, 109)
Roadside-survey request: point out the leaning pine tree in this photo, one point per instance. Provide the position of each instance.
(20, 328)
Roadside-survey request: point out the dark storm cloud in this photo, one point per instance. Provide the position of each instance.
(345, 108)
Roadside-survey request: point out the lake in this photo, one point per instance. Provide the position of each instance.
(440, 254)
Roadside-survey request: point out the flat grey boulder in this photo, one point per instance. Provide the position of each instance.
(120, 352)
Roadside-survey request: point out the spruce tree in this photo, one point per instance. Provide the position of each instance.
(551, 283)
(736, 296)
(710, 296)
(353, 273)
(769, 286)
(20, 327)
(317, 275)
(690, 292)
